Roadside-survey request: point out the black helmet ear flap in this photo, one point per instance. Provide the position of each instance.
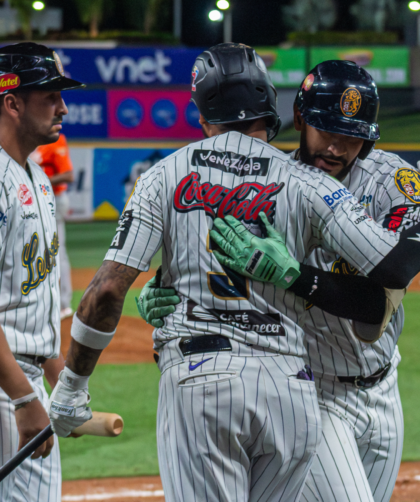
(366, 149)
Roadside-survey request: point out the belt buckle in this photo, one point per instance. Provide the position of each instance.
(356, 383)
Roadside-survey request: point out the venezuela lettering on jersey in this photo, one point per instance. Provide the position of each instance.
(218, 201)
(38, 268)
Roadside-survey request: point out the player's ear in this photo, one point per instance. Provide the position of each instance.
(11, 105)
(297, 118)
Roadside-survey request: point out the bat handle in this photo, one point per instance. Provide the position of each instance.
(24, 453)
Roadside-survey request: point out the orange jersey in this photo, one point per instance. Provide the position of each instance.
(54, 159)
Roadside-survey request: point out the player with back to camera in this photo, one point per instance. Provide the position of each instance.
(238, 417)
(360, 454)
(31, 113)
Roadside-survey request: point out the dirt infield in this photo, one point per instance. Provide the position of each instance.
(149, 489)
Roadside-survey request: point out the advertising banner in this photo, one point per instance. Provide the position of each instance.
(287, 67)
(389, 66)
(152, 115)
(87, 116)
(115, 173)
(129, 65)
(81, 190)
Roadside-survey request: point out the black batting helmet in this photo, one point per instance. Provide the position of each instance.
(32, 66)
(230, 83)
(341, 97)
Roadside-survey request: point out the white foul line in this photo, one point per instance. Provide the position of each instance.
(115, 495)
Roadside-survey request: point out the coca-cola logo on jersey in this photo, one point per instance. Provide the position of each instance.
(244, 201)
(24, 196)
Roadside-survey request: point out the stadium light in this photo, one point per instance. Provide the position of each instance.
(415, 6)
(216, 16)
(223, 4)
(38, 5)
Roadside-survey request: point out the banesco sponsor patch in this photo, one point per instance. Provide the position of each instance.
(337, 197)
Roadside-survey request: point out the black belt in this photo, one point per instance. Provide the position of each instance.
(362, 382)
(27, 358)
(205, 343)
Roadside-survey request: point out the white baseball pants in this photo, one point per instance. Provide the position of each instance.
(362, 440)
(34, 480)
(236, 429)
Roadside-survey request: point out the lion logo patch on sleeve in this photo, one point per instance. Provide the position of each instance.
(408, 183)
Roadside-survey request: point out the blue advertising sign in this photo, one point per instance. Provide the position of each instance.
(115, 171)
(87, 117)
(129, 66)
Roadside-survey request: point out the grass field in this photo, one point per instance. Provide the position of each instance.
(131, 389)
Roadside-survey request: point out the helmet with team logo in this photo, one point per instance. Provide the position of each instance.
(341, 97)
(31, 66)
(230, 83)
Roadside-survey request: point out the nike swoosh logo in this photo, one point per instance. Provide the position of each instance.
(194, 366)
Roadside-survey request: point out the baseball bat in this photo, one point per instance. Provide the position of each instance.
(101, 424)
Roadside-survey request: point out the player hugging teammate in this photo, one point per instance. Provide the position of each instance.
(238, 415)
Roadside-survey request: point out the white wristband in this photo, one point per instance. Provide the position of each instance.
(25, 399)
(88, 336)
(72, 379)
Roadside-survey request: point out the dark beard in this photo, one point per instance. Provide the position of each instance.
(309, 159)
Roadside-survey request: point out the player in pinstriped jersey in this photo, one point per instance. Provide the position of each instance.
(336, 111)
(31, 111)
(237, 416)
(360, 454)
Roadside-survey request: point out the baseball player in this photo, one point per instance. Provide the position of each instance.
(31, 112)
(360, 454)
(362, 420)
(238, 417)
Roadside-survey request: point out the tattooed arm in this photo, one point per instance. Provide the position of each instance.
(100, 308)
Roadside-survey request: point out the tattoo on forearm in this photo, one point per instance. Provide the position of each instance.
(103, 301)
(100, 308)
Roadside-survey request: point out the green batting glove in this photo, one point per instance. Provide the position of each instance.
(265, 260)
(155, 303)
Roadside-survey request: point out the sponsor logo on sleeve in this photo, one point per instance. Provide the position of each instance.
(25, 196)
(338, 197)
(9, 81)
(366, 200)
(402, 217)
(124, 224)
(230, 162)
(3, 219)
(246, 320)
(350, 102)
(408, 183)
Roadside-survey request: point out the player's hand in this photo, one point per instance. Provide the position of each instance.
(67, 406)
(265, 260)
(31, 419)
(155, 303)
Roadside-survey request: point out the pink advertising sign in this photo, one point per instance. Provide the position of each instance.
(152, 115)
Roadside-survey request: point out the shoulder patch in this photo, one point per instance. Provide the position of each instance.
(408, 183)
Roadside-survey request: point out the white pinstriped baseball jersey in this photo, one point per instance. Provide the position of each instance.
(174, 204)
(389, 190)
(29, 270)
